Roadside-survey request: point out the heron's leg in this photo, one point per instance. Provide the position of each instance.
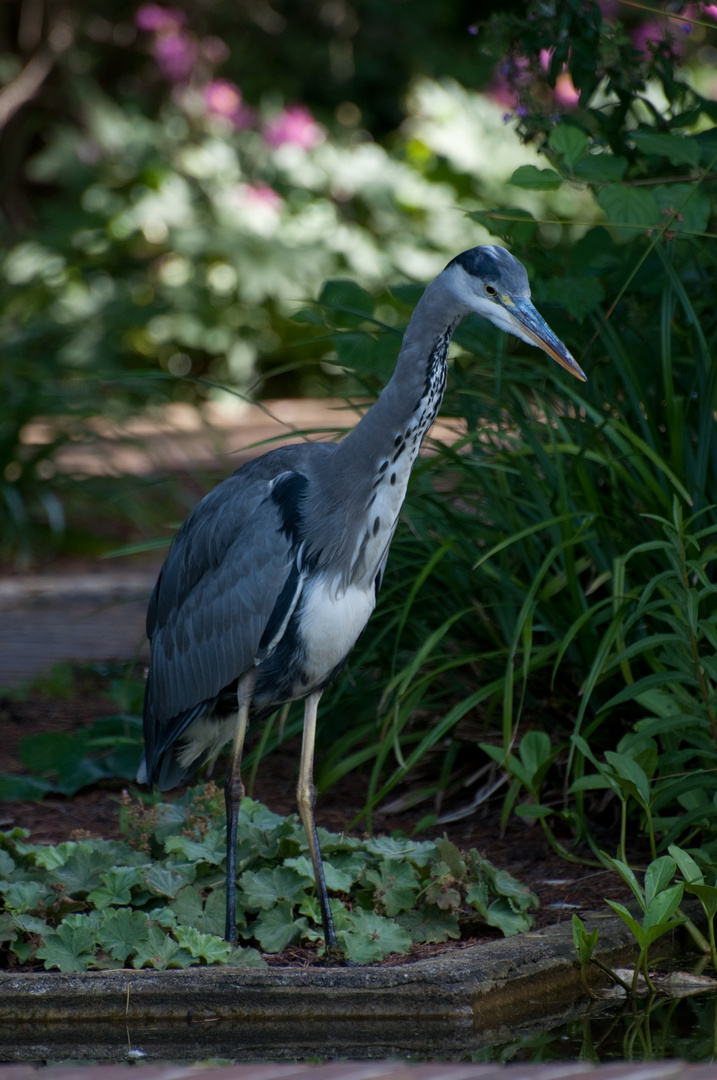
(306, 798)
(233, 794)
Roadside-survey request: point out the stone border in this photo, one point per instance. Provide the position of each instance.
(479, 983)
(449, 1006)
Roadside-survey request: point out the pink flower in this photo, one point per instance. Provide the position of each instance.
(565, 93)
(258, 196)
(294, 125)
(711, 10)
(223, 98)
(158, 20)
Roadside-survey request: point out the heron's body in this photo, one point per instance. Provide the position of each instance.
(275, 574)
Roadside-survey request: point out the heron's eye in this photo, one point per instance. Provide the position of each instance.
(491, 290)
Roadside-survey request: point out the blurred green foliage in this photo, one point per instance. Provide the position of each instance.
(162, 224)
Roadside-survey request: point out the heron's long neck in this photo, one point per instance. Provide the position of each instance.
(394, 427)
(361, 497)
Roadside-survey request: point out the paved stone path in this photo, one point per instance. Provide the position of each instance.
(51, 619)
(372, 1070)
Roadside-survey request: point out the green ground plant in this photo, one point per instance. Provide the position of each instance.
(157, 898)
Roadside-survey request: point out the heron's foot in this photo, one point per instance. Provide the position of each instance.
(334, 956)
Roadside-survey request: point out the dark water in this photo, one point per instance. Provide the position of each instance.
(652, 1029)
(646, 1029)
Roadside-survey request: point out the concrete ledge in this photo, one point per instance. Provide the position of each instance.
(455, 1004)
(477, 983)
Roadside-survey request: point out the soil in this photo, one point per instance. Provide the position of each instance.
(562, 887)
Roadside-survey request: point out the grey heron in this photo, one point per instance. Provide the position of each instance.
(274, 575)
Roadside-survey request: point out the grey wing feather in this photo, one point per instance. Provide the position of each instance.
(223, 594)
(215, 594)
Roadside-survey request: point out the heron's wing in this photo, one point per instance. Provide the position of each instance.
(229, 578)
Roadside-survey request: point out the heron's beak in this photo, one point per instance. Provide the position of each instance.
(533, 327)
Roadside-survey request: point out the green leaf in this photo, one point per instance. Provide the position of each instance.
(687, 865)
(592, 782)
(7, 864)
(528, 176)
(600, 168)
(536, 754)
(687, 206)
(348, 302)
(210, 849)
(264, 888)
(8, 927)
(23, 788)
(116, 888)
(451, 856)
(396, 885)
(69, 948)
(25, 895)
(678, 149)
(630, 921)
(579, 295)
(389, 847)
(628, 877)
(630, 210)
(276, 929)
(161, 951)
(658, 876)
(504, 884)
(512, 223)
(59, 757)
(245, 957)
(502, 915)
(209, 947)
(163, 881)
(584, 943)
(372, 937)
(707, 896)
(208, 916)
(123, 932)
(630, 776)
(336, 880)
(310, 907)
(569, 142)
(662, 906)
(81, 871)
(429, 924)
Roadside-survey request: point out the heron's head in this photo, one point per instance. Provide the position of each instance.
(491, 281)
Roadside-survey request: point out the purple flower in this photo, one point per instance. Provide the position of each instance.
(294, 125)
(158, 20)
(174, 50)
(223, 98)
(175, 53)
(649, 35)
